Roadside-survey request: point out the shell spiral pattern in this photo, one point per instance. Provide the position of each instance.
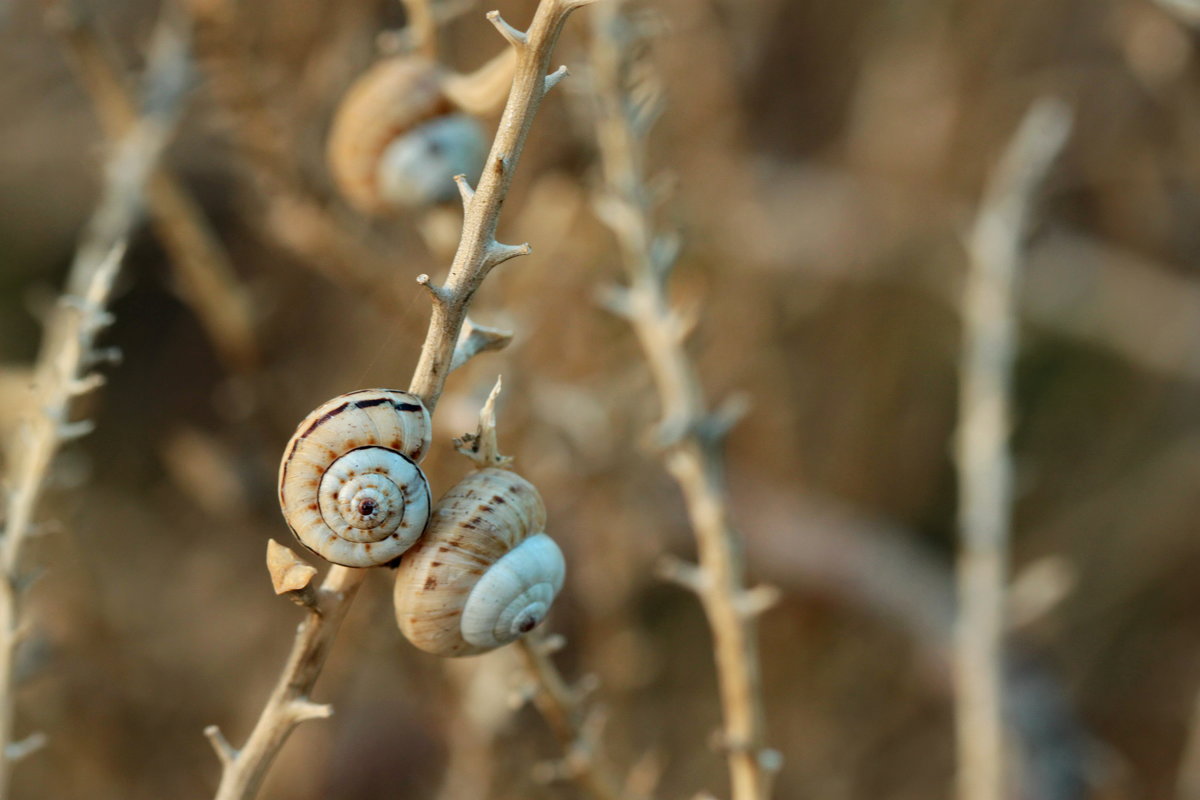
(485, 573)
(349, 485)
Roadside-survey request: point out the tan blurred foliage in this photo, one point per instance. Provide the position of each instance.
(826, 158)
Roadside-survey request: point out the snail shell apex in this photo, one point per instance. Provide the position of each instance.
(484, 573)
(349, 485)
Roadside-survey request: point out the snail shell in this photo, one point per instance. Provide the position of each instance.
(397, 140)
(349, 485)
(484, 573)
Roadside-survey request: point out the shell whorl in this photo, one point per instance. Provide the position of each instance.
(484, 573)
(396, 141)
(349, 485)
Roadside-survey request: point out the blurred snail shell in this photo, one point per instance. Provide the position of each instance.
(484, 573)
(398, 140)
(349, 485)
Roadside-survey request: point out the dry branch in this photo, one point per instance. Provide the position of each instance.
(984, 463)
(691, 434)
(207, 279)
(244, 770)
(573, 721)
(69, 355)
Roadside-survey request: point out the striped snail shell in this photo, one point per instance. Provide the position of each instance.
(349, 484)
(397, 140)
(484, 573)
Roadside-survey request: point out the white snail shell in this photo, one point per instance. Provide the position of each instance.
(349, 484)
(397, 140)
(485, 573)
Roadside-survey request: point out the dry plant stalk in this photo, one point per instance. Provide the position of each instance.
(243, 770)
(207, 279)
(576, 725)
(984, 462)
(69, 354)
(691, 434)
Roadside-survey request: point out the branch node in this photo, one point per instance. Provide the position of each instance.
(754, 602)
(439, 293)
(89, 382)
(516, 38)
(474, 339)
(664, 251)
(292, 576)
(713, 429)
(75, 430)
(499, 253)
(676, 570)
(522, 695)
(464, 191)
(554, 78)
(617, 300)
(303, 709)
(105, 355)
(551, 643)
(224, 750)
(16, 751)
(770, 759)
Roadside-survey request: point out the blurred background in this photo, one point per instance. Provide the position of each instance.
(825, 160)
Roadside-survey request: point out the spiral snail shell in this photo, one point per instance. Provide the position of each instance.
(484, 573)
(349, 485)
(398, 140)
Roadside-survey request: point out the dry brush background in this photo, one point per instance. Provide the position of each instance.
(826, 160)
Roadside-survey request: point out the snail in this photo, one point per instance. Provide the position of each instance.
(349, 485)
(405, 129)
(484, 573)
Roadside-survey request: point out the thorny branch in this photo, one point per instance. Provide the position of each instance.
(69, 355)
(984, 463)
(206, 277)
(478, 253)
(691, 434)
(574, 723)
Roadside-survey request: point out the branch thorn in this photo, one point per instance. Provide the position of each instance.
(554, 78)
(464, 190)
(499, 253)
(221, 745)
(753, 602)
(16, 751)
(516, 38)
(676, 570)
(438, 293)
(303, 709)
(474, 339)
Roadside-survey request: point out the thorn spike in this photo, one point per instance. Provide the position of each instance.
(554, 78)
(516, 38)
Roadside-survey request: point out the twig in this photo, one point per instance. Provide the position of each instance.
(571, 721)
(69, 354)
(207, 279)
(479, 252)
(984, 462)
(243, 770)
(564, 708)
(691, 433)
